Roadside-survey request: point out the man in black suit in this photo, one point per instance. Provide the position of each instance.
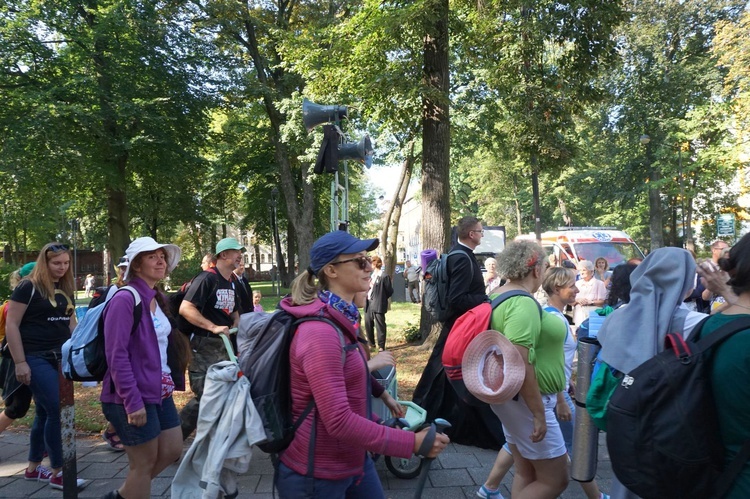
(376, 306)
(476, 426)
(243, 290)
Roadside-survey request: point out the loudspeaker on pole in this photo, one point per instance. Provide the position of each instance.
(361, 151)
(316, 114)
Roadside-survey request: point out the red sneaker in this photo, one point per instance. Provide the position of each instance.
(41, 473)
(56, 482)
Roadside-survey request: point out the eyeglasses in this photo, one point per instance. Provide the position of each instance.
(480, 231)
(58, 247)
(362, 261)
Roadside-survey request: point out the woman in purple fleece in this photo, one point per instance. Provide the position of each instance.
(340, 429)
(147, 360)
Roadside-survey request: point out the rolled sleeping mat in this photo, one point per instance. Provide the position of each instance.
(585, 433)
(426, 257)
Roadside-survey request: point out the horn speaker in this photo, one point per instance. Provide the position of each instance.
(361, 151)
(316, 114)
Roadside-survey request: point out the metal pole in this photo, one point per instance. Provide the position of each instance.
(334, 206)
(682, 195)
(67, 426)
(73, 225)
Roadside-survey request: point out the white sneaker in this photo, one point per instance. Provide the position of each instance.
(486, 493)
(56, 482)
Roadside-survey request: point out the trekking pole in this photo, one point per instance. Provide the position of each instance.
(228, 345)
(440, 425)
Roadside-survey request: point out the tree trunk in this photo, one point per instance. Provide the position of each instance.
(654, 205)
(535, 192)
(435, 144)
(689, 243)
(389, 238)
(299, 215)
(117, 214)
(257, 258)
(113, 156)
(277, 242)
(516, 191)
(290, 252)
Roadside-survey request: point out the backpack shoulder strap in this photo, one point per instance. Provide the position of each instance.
(510, 294)
(459, 252)
(720, 334)
(138, 310)
(727, 477)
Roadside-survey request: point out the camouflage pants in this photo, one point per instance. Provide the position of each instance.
(206, 351)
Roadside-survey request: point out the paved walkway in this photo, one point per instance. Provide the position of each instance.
(456, 474)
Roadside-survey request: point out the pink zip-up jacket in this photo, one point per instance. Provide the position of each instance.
(344, 430)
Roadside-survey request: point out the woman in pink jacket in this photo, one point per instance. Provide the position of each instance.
(328, 456)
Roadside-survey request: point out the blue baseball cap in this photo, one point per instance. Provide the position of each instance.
(336, 243)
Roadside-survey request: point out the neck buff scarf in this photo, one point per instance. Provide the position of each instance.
(349, 310)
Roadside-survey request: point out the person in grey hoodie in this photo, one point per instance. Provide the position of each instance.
(635, 332)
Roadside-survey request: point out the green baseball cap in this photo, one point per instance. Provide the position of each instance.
(228, 243)
(26, 269)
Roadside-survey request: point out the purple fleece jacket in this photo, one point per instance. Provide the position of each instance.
(344, 431)
(134, 360)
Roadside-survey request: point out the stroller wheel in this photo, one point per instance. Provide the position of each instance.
(404, 468)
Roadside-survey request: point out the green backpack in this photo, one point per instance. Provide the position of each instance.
(603, 384)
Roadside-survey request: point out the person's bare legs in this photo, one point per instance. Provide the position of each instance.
(539, 478)
(141, 460)
(147, 460)
(591, 489)
(170, 449)
(500, 468)
(5, 421)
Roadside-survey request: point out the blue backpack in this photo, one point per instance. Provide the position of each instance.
(83, 357)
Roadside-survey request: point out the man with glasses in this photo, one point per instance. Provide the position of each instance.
(210, 304)
(718, 250)
(476, 426)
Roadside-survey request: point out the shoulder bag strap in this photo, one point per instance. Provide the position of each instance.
(727, 477)
(720, 334)
(510, 294)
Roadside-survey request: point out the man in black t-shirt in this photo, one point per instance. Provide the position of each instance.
(210, 305)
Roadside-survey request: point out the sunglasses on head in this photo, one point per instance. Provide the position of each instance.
(57, 247)
(362, 261)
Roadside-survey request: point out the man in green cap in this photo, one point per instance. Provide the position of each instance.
(210, 304)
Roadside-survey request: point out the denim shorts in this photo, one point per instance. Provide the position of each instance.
(159, 417)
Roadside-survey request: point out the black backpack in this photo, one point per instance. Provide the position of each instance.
(265, 362)
(436, 286)
(662, 426)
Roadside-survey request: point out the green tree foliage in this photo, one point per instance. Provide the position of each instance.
(537, 73)
(666, 87)
(113, 102)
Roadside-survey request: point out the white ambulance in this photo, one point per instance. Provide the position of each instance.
(574, 244)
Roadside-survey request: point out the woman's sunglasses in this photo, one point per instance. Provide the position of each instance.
(57, 247)
(362, 261)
